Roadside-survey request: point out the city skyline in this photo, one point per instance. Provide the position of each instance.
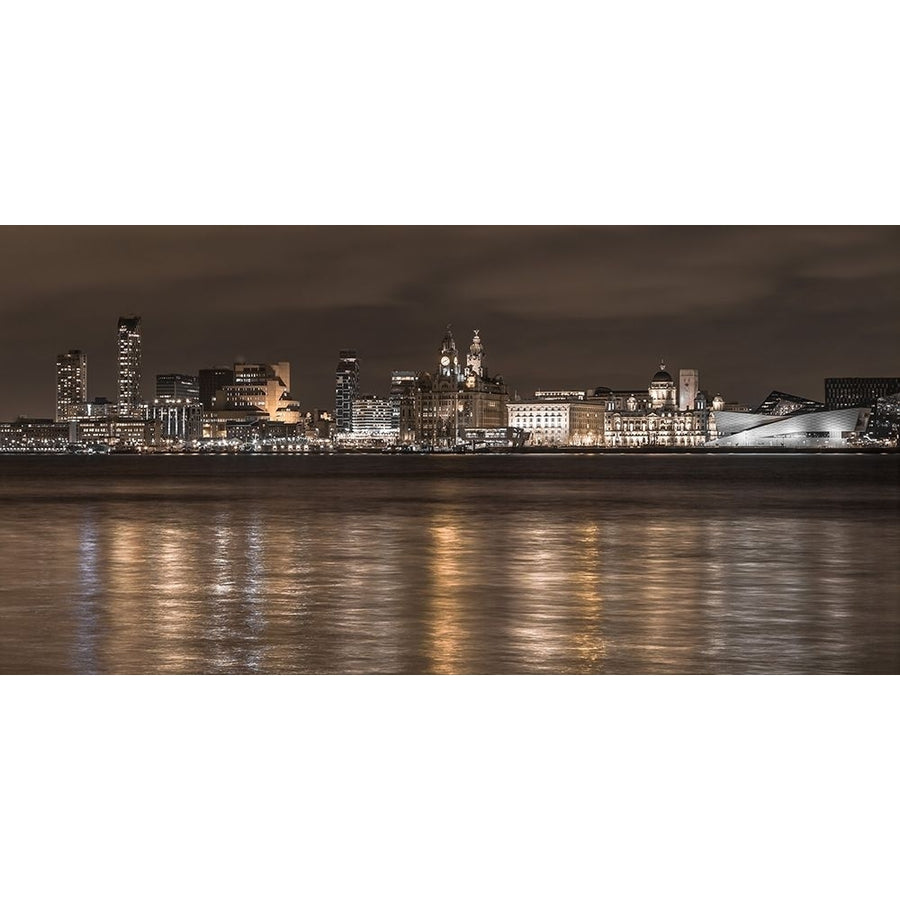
(755, 309)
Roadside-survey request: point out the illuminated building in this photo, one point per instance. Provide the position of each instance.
(845, 392)
(819, 429)
(653, 418)
(212, 380)
(98, 408)
(118, 431)
(483, 399)
(564, 396)
(26, 434)
(780, 404)
(180, 420)
(445, 396)
(436, 409)
(871, 392)
(372, 419)
(71, 384)
(483, 438)
(346, 390)
(662, 390)
(688, 388)
(400, 382)
(260, 390)
(129, 365)
(559, 424)
(177, 387)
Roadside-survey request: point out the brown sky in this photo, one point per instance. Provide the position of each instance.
(752, 308)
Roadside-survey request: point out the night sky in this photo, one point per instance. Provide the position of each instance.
(754, 309)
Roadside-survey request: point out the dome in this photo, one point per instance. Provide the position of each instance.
(663, 375)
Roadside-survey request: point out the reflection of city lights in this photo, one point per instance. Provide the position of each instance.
(446, 634)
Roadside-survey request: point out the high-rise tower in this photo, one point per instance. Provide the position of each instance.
(71, 384)
(129, 342)
(346, 390)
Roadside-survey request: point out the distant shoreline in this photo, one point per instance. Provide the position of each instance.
(496, 451)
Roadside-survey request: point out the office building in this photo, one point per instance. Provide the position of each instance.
(558, 423)
(847, 392)
(211, 381)
(178, 387)
(129, 366)
(401, 381)
(260, 390)
(71, 384)
(372, 418)
(346, 390)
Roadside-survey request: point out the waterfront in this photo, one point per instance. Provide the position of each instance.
(418, 564)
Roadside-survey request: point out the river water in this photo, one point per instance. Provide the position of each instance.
(448, 564)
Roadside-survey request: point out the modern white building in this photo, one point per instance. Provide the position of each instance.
(823, 428)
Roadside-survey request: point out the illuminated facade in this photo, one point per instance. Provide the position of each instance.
(71, 385)
(846, 392)
(437, 409)
(780, 404)
(372, 418)
(559, 424)
(688, 388)
(180, 420)
(129, 366)
(173, 386)
(401, 381)
(828, 428)
(654, 419)
(260, 390)
(29, 435)
(118, 431)
(346, 390)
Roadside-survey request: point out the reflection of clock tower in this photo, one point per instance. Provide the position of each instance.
(449, 361)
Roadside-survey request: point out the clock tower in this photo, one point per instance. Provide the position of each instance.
(449, 359)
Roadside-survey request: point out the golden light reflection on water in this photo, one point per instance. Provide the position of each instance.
(448, 574)
(589, 642)
(445, 575)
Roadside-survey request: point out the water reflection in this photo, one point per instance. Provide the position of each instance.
(446, 575)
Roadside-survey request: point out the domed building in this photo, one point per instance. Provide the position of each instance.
(662, 390)
(656, 420)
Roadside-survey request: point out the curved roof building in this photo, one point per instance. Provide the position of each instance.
(823, 428)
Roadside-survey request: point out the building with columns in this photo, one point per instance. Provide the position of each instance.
(658, 420)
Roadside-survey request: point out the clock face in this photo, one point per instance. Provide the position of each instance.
(445, 360)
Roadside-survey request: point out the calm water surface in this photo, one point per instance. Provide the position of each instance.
(556, 564)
